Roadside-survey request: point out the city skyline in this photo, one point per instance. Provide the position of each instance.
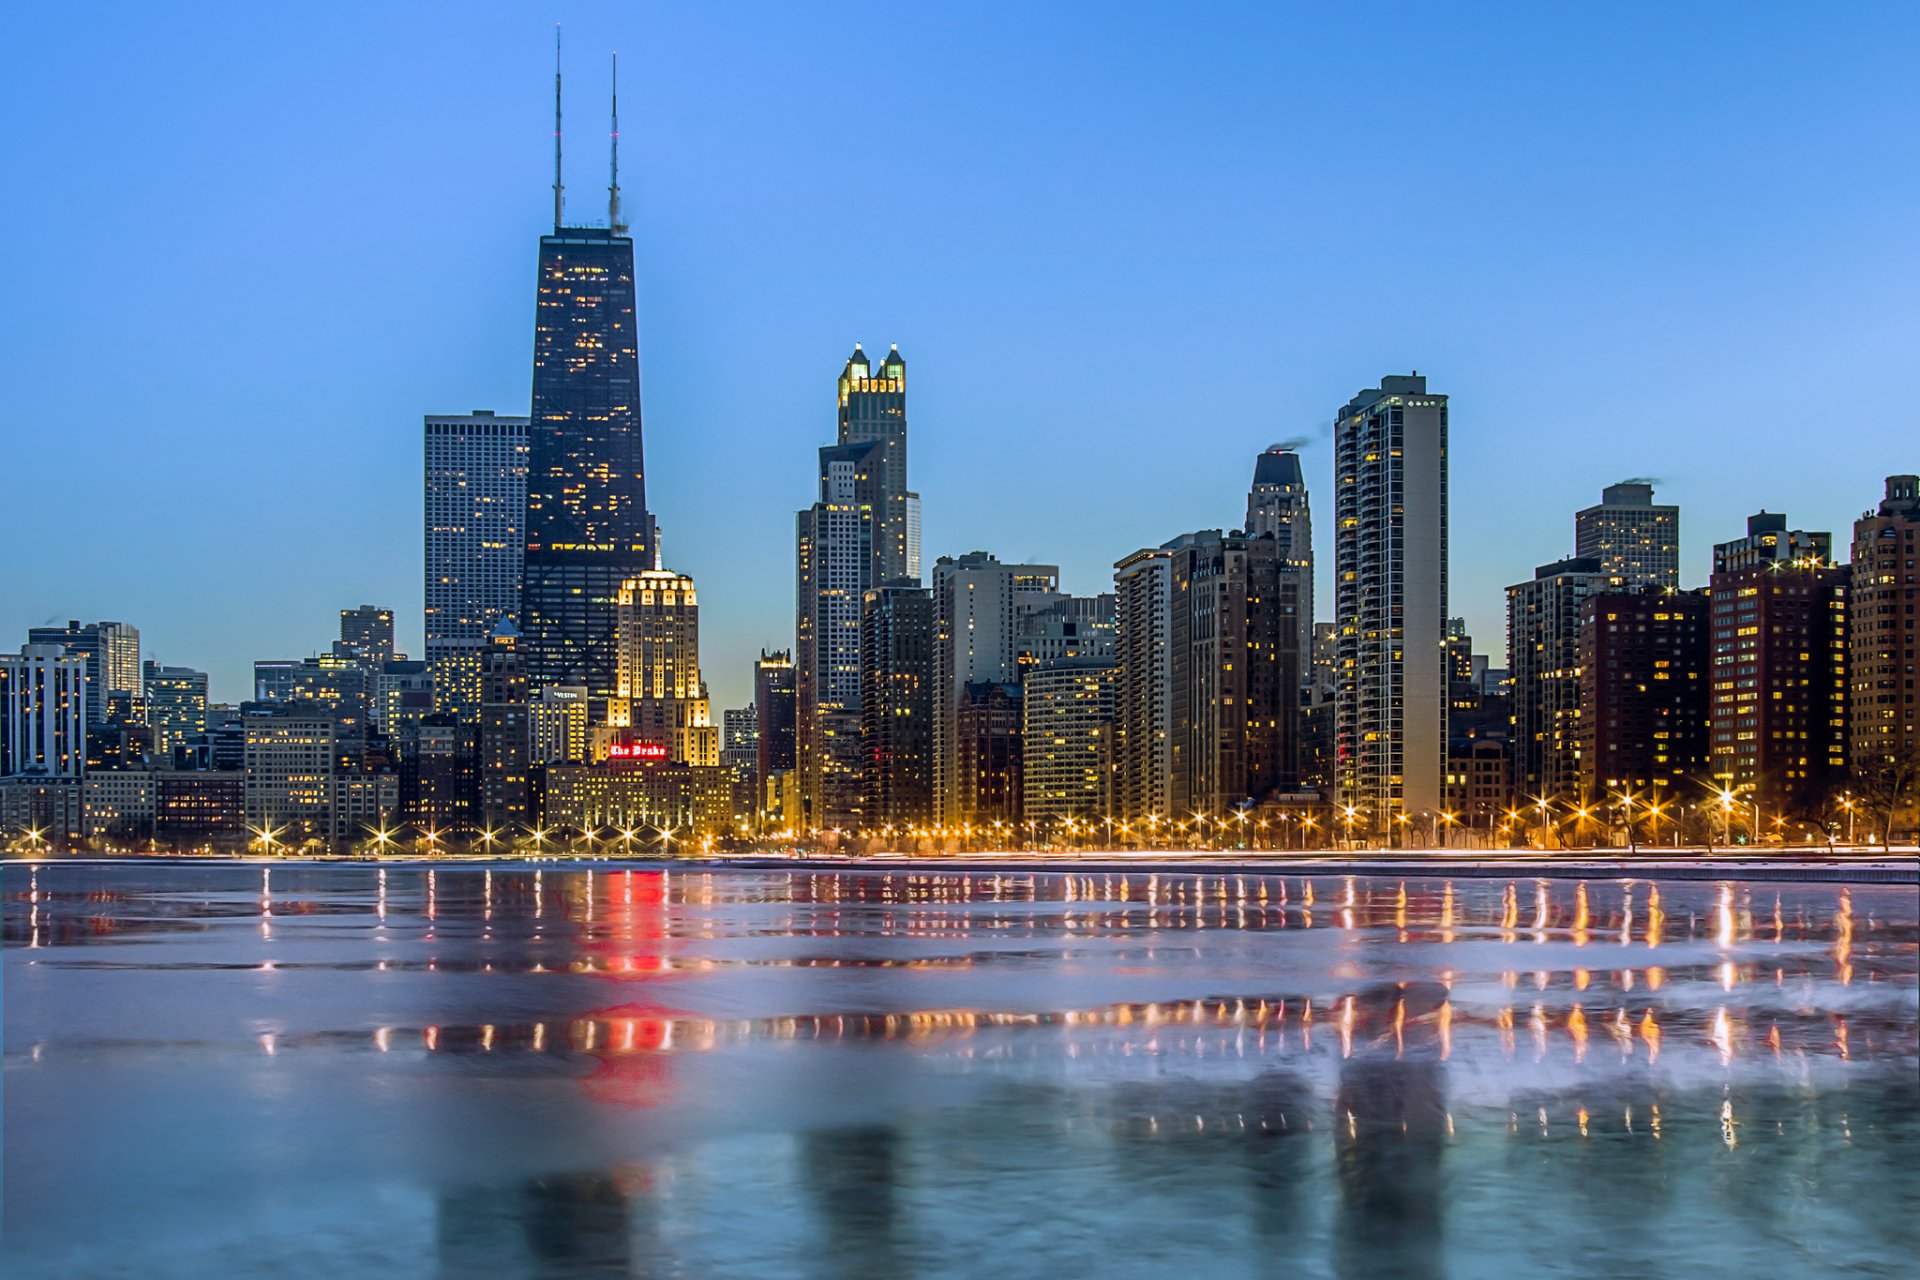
(736, 382)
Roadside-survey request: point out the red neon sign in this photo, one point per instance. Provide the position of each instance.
(636, 751)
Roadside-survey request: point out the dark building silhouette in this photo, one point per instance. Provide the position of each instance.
(588, 528)
(988, 762)
(506, 745)
(1645, 694)
(774, 708)
(896, 704)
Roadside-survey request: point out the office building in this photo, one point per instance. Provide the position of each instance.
(1884, 632)
(447, 772)
(1066, 742)
(740, 757)
(659, 695)
(43, 712)
(873, 410)
(1543, 653)
(977, 605)
(588, 530)
(1770, 542)
(1143, 686)
(837, 562)
(1780, 682)
(1646, 677)
(111, 652)
(1636, 542)
(896, 708)
(312, 779)
(200, 808)
(1277, 507)
(176, 705)
(400, 694)
(366, 635)
(120, 805)
(476, 545)
(1390, 602)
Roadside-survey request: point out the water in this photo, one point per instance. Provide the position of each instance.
(329, 1071)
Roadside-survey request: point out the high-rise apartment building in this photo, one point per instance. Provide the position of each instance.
(1884, 632)
(399, 695)
(1780, 682)
(659, 694)
(476, 545)
(1066, 741)
(775, 714)
(1390, 602)
(1636, 542)
(873, 410)
(1770, 542)
(588, 529)
(1235, 673)
(176, 705)
(366, 634)
(977, 606)
(1068, 627)
(1646, 675)
(988, 769)
(506, 740)
(1543, 654)
(1143, 685)
(1277, 506)
(43, 712)
(896, 705)
(111, 651)
(836, 564)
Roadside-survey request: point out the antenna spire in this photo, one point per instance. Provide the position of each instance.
(556, 126)
(613, 192)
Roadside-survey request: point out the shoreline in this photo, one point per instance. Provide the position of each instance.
(1899, 867)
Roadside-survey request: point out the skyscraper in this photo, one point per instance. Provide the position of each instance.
(1885, 630)
(1277, 506)
(1636, 542)
(977, 605)
(1234, 674)
(896, 704)
(476, 545)
(111, 651)
(774, 710)
(176, 705)
(1066, 741)
(366, 634)
(43, 702)
(873, 410)
(506, 740)
(1543, 655)
(588, 528)
(660, 696)
(1143, 694)
(1645, 683)
(836, 563)
(1390, 574)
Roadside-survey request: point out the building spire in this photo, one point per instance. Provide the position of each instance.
(613, 192)
(556, 126)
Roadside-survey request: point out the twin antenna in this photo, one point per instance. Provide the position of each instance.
(613, 190)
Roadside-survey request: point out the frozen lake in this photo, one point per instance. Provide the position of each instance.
(339, 1071)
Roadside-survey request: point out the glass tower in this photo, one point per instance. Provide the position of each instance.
(588, 530)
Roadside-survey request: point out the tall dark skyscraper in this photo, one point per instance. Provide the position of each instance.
(873, 410)
(588, 529)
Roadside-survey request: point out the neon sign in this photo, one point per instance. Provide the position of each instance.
(636, 751)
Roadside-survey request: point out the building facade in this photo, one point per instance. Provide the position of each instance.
(506, 738)
(176, 705)
(836, 563)
(896, 705)
(476, 545)
(1390, 602)
(588, 529)
(43, 712)
(659, 693)
(873, 410)
(1636, 541)
(1066, 741)
(1543, 655)
(111, 654)
(1143, 685)
(1780, 684)
(1884, 632)
(1277, 507)
(1646, 678)
(775, 713)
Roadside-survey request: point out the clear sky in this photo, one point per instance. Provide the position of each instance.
(1123, 247)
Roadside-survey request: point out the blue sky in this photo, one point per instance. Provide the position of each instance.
(1123, 247)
